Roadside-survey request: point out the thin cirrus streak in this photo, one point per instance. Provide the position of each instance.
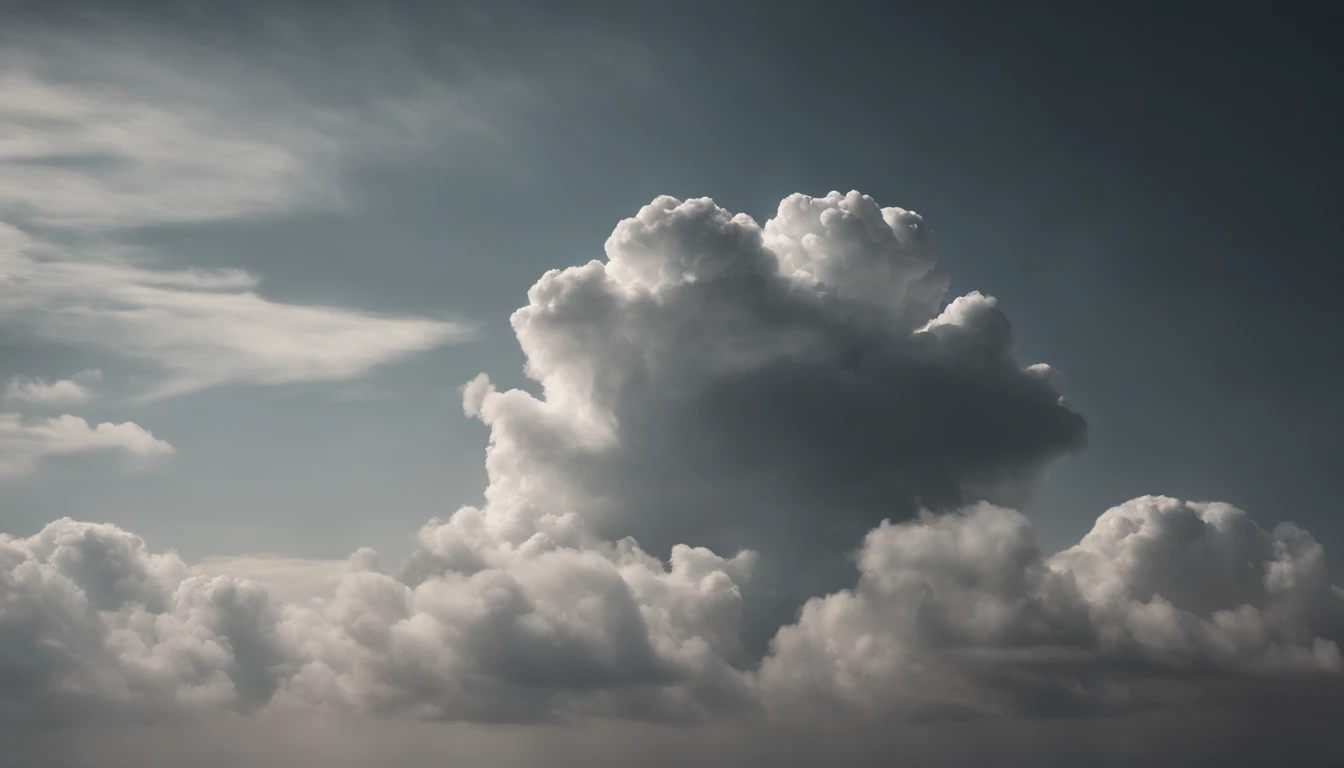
(105, 139)
(106, 135)
(200, 329)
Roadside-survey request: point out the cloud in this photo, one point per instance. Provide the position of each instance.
(128, 129)
(528, 618)
(103, 137)
(80, 156)
(801, 373)
(199, 328)
(961, 615)
(32, 391)
(25, 442)
(726, 412)
(481, 626)
(96, 624)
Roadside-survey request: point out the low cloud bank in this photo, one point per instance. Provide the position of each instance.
(728, 412)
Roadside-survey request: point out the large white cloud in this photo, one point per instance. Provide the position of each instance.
(517, 615)
(718, 389)
(781, 388)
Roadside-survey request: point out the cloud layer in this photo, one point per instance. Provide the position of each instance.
(953, 616)
(104, 138)
(961, 615)
(726, 411)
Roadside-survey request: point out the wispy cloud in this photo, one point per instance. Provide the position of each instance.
(103, 138)
(24, 443)
(199, 328)
(37, 391)
(94, 159)
(125, 131)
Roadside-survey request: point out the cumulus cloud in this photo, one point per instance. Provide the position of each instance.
(36, 391)
(803, 373)
(726, 411)
(95, 625)
(514, 616)
(25, 442)
(961, 615)
(486, 623)
(88, 157)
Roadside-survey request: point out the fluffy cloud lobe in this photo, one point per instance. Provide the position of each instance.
(961, 615)
(725, 411)
(94, 625)
(782, 388)
(25, 442)
(39, 392)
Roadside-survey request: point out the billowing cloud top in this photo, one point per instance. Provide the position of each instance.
(782, 388)
(727, 411)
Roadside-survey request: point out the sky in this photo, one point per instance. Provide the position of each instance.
(533, 382)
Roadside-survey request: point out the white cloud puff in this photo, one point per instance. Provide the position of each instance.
(25, 442)
(94, 625)
(126, 130)
(962, 615)
(721, 382)
(35, 391)
(516, 615)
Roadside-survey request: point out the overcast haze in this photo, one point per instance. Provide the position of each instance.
(515, 384)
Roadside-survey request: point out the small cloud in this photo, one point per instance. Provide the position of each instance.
(36, 391)
(24, 443)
